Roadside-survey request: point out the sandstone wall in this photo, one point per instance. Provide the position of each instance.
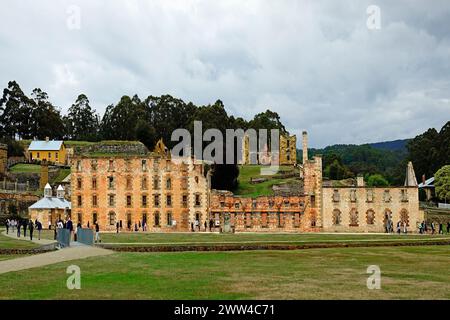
(365, 202)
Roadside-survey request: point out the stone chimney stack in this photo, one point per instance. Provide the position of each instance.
(305, 146)
(410, 178)
(360, 180)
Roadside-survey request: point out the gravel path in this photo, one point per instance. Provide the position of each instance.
(77, 251)
(13, 235)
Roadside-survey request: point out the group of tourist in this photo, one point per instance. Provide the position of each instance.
(423, 227)
(17, 226)
(195, 225)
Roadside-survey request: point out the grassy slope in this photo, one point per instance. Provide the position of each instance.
(247, 172)
(9, 243)
(407, 273)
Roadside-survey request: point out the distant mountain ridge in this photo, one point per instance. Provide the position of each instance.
(395, 145)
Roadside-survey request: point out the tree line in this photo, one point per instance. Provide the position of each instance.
(132, 118)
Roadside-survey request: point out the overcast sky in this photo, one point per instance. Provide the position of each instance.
(316, 63)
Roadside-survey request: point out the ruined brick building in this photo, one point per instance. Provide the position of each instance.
(128, 185)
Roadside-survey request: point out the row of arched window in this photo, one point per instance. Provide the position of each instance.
(369, 217)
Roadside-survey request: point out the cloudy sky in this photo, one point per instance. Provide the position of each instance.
(314, 62)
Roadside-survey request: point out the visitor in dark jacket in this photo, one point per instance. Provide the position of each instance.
(31, 228)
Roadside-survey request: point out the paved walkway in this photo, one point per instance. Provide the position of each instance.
(75, 252)
(42, 242)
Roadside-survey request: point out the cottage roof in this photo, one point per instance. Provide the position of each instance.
(51, 203)
(43, 145)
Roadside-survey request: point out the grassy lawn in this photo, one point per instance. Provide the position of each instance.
(246, 188)
(62, 173)
(201, 238)
(9, 243)
(406, 273)
(26, 168)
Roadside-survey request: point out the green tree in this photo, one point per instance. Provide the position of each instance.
(15, 111)
(81, 122)
(120, 121)
(442, 183)
(267, 120)
(46, 118)
(377, 180)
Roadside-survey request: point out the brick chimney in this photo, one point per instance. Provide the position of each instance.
(305, 146)
(44, 174)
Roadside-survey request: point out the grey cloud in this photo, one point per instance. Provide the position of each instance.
(314, 62)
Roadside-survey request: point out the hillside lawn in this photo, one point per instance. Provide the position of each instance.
(246, 172)
(26, 168)
(406, 273)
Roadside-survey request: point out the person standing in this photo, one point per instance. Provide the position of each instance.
(31, 228)
(432, 227)
(206, 226)
(7, 226)
(441, 228)
(69, 226)
(117, 227)
(39, 228)
(18, 228)
(398, 227)
(97, 232)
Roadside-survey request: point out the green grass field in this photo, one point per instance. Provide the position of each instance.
(406, 273)
(26, 168)
(205, 238)
(9, 243)
(248, 189)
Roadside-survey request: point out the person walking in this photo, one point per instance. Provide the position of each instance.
(117, 227)
(39, 228)
(210, 225)
(206, 226)
(398, 227)
(31, 228)
(7, 226)
(25, 225)
(18, 228)
(97, 232)
(441, 228)
(192, 226)
(432, 227)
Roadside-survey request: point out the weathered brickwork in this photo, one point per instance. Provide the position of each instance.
(132, 190)
(287, 152)
(263, 214)
(364, 209)
(3, 159)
